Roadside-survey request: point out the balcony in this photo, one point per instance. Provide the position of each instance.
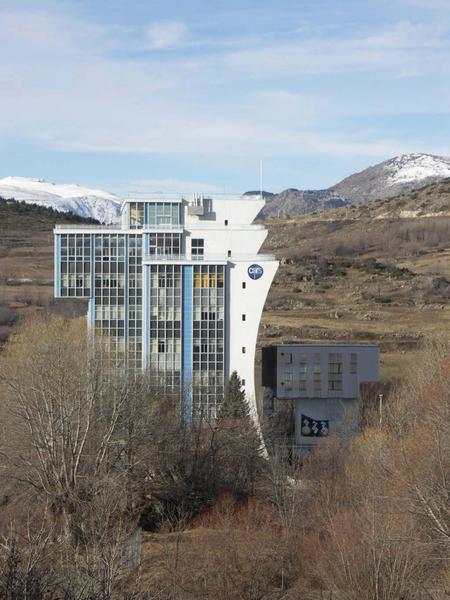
(209, 258)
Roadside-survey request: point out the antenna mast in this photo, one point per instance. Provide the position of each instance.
(261, 178)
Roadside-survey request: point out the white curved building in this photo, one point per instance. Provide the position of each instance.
(177, 289)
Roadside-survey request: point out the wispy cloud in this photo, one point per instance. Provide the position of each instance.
(170, 185)
(68, 85)
(391, 50)
(166, 34)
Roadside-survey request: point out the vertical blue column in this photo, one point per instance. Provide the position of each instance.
(91, 314)
(57, 266)
(145, 241)
(187, 326)
(145, 316)
(126, 299)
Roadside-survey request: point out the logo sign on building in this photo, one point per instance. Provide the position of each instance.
(255, 271)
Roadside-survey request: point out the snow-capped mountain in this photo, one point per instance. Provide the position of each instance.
(385, 180)
(394, 176)
(83, 201)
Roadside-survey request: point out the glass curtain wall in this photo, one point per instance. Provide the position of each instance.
(134, 346)
(208, 339)
(109, 294)
(165, 324)
(164, 244)
(75, 265)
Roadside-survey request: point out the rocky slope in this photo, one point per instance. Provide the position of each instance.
(385, 180)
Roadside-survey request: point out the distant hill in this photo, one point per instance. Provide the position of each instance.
(83, 201)
(427, 201)
(392, 177)
(385, 180)
(27, 215)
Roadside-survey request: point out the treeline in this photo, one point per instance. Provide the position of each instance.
(86, 462)
(13, 210)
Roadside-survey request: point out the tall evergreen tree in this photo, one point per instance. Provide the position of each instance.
(234, 404)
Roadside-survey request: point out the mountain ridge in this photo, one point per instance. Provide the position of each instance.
(384, 180)
(387, 179)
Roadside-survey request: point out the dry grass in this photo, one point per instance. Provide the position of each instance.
(352, 300)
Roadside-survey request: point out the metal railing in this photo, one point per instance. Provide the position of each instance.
(222, 257)
(89, 227)
(202, 225)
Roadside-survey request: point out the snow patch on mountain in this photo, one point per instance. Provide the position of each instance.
(85, 202)
(416, 167)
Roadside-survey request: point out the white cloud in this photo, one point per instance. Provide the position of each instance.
(63, 88)
(399, 47)
(166, 34)
(174, 186)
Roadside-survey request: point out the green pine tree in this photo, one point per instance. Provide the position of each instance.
(234, 404)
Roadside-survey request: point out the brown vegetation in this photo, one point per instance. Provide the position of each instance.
(84, 461)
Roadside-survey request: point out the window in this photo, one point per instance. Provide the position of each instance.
(244, 350)
(164, 244)
(303, 370)
(198, 248)
(163, 213)
(288, 379)
(244, 317)
(317, 374)
(288, 359)
(335, 372)
(226, 221)
(161, 346)
(243, 381)
(244, 285)
(136, 215)
(353, 363)
(229, 253)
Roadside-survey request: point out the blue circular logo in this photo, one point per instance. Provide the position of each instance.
(255, 271)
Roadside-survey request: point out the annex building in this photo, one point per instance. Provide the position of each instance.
(176, 290)
(323, 382)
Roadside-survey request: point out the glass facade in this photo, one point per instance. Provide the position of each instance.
(151, 214)
(109, 294)
(182, 328)
(164, 244)
(165, 323)
(75, 265)
(208, 338)
(134, 342)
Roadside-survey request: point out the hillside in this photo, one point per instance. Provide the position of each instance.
(394, 176)
(26, 263)
(386, 180)
(426, 201)
(363, 274)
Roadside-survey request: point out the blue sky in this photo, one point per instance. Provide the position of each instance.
(190, 95)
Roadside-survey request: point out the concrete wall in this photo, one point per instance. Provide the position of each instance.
(288, 360)
(342, 414)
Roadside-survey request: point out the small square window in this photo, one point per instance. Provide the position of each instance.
(244, 317)
(244, 350)
(229, 253)
(244, 285)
